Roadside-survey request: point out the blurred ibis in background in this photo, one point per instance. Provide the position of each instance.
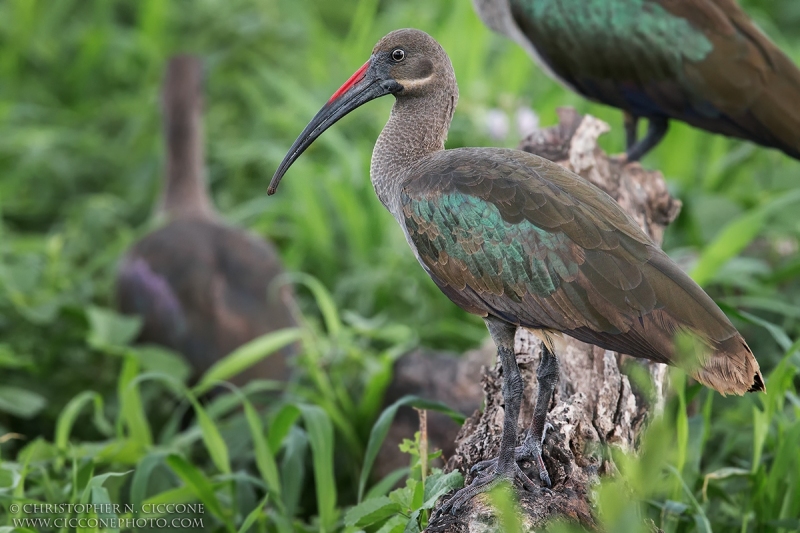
(201, 287)
(523, 242)
(703, 62)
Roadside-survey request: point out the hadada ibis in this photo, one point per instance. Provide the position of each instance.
(201, 287)
(524, 243)
(703, 62)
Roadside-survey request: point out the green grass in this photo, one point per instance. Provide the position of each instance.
(85, 417)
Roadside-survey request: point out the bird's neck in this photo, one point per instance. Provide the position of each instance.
(496, 14)
(417, 127)
(185, 194)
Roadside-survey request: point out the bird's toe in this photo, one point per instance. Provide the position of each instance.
(479, 467)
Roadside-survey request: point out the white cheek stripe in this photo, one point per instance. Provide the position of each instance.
(413, 84)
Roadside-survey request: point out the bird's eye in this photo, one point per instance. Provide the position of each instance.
(398, 55)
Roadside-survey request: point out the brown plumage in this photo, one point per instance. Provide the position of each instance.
(594, 275)
(703, 62)
(202, 288)
(523, 242)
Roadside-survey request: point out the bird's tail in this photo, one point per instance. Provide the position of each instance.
(773, 117)
(730, 368)
(705, 342)
(776, 111)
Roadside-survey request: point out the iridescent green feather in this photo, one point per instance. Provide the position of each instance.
(520, 238)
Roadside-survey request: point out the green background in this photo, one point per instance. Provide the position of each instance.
(81, 161)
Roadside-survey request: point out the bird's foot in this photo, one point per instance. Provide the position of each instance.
(531, 450)
(485, 481)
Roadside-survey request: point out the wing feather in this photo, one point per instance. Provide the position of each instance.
(700, 61)
(560, 254)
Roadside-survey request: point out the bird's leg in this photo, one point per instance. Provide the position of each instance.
(656, 129)
(531, 449)
(505, 465)
(547, 375)
(631, 122)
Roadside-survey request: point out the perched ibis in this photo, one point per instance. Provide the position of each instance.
(703, 62)
(524, 243)
(201, 287)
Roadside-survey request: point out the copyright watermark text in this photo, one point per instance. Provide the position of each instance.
(105, 515)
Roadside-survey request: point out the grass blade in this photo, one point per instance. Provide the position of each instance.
(736, 235)
(381, 429)
(200, 485)
(132, 412)
(320, 435)
(253, 515)
(265, 460)
(212, 438)
(141, 479)
(330, 313)
(246, 356)
(70, 413)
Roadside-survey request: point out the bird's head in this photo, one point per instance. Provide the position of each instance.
(407, 63)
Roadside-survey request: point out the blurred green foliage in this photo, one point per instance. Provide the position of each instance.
(81, 161)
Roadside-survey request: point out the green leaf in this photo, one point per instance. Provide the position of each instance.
(418, 494)
(439, 484)
(396, 524)
(293, 469)
(9, 478)
(382, 487)
(381, 429)
(280, 426)
(96, 493)
(412, 526)
(761, 420)
(700, 518)
(10, 359)
(107, 328)
(253, 515)
(673, 507)
(371, 511)
(20, 402)
(131, 406)
(320, 435)
(327, 306)
(504, 500)
(776, 331)
(405, 495)
(161, 360)
(141, 478)
(265, 460)
(184, 494)
(97, 482)
(200, 486)
(68, 415)
(212, 438)
(736, 235)
(224, 404)
(245, 356)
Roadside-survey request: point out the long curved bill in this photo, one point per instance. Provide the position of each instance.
(362, 87)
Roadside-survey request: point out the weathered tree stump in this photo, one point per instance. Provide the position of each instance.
(594, 404)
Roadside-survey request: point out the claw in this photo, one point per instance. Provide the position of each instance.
(481, 466)
(484, 482)
(545, 477)
(527, 452)
(547, 427)
(526, 481)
